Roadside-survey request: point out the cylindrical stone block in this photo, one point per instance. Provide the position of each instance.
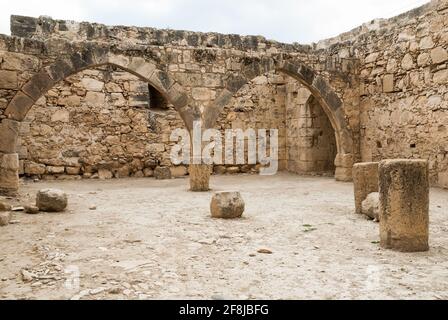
(365, 182)
(9, 174)
(404, 205)
(199, 177)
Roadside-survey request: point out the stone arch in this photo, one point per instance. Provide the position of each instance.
(315, 83)
(49, 76)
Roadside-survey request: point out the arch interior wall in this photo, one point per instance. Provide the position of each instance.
(383, 86)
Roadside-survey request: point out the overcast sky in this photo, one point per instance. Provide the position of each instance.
(289, 21)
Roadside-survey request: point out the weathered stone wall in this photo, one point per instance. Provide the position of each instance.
(383, 86)
(101, 122)
(403, 86)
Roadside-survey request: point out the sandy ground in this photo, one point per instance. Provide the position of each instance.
(152, 239)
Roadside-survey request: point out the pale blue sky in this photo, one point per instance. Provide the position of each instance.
(289, 21)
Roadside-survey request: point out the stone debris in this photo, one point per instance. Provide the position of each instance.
(371, 206)
(265, 251)
(5, 218)
(227, 205)
(51, 200)
(31, 209)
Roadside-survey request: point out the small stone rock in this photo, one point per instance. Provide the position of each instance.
(93, 207)
(370, 206)
(162, 173)
(18, 209)
(31, 209)
(233, 170)
(227, 205)
(115, 290)
(219, 169)
(4, 207)
(27, 276)
(264, 251)
(51, 200)
(5, 218)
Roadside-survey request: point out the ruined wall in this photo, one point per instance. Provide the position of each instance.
(382, 86)
(98, 123)
(311, 143)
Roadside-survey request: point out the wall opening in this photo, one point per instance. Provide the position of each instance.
(311, 140)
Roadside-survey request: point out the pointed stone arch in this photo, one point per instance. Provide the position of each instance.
(49, 76)
(315, 83)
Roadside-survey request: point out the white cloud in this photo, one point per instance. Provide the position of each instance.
(301, 21)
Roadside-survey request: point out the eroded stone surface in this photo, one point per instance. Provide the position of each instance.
(227, 205)
(404, 205)
(51, 200)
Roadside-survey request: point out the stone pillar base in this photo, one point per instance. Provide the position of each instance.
(9, 174)
(404, 205)
(365, 181)
(200, 177)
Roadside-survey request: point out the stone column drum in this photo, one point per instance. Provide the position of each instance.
(199, 177)
(404, 205)
(365, 182)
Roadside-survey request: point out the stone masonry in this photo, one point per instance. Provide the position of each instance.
(88, 100)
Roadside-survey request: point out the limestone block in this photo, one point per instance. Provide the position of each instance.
(92, 84)
(199, 177)
(61, 116)
(9, 173)
(105, 174)
(51, 200)
(179, 171)
(227, 205)
(5, 218)
(365, 181)
(8, 79)
(404, 205)
(162, 173)
(95, 98)
(9, 133)
(441, 77)
(33, 168)
(388, 83)
(439, 55)
(55, 170)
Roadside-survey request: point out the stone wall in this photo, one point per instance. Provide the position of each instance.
(98, 123)
(383, 88)
(311, 143)
(404, 88)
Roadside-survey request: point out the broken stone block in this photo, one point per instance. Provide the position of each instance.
(200, 177)
(179, 171)
(233, 170)
(227, 205)
(370, 206)
(162, 173)
(51, 200)
(5, 218)
(219, 169)
(404, 205)
(105, 174)
(365, 181)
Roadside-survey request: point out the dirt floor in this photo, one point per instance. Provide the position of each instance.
(151, 239)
